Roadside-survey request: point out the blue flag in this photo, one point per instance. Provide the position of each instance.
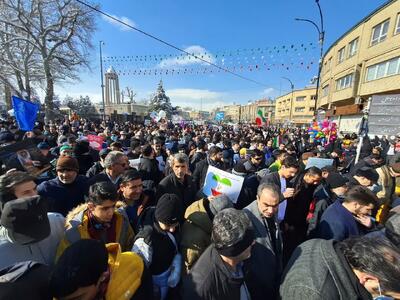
(25, 112)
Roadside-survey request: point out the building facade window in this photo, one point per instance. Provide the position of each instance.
(353, 47)
(344, 82)
(313, 97)
(300, 98)
(341, 55)
(397, 29)
(383, 69)
(379, 32)
(299, 109)
(325, 90)
(311, 109)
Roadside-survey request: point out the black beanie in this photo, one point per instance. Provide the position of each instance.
(169, 209)
(80, 265)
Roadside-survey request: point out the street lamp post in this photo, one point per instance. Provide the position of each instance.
(102, 80)
(321, 39)
(291, 102)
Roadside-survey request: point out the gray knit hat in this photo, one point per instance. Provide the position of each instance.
(219, 203)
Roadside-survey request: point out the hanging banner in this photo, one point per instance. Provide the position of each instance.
(95, 141)
(219, 116)
(220, 182)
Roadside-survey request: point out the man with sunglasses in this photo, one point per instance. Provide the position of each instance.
(254, 163)
(115, 164)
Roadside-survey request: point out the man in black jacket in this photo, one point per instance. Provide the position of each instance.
(357, 268)
(148, 165)
(215, 159)
(254, 163)
(179, 182)
(281, 178)
(199, 155)
(115, 164)
(336, 188)
(219, 274)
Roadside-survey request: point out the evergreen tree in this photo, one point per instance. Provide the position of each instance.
(161, 101)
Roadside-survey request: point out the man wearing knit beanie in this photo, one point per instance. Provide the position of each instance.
(158, 245)
(68, 189)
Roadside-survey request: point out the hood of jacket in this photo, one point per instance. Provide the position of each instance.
(126, 270)
(197, 215)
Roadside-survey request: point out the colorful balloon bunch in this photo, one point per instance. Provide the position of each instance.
(324, 132)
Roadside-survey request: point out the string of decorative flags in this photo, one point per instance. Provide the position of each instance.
(238, 60)
(214, 55)
(208, 70)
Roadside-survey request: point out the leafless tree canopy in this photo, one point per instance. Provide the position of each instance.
(43, 42)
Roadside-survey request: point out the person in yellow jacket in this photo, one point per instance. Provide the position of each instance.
(90, 270)
(98, 219)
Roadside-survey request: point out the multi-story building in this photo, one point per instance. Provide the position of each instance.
(232, 113)
(363, 62)
(296, 107)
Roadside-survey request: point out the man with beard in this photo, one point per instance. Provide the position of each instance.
(68, 189)
(350, 218)
(215, 159)
(132, 194)
(336, 188)
(295, 221)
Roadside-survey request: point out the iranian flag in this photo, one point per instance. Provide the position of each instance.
(260, 120)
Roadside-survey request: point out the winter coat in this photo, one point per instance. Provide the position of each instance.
(196, 233)
(338, 223)
(210, 279)
(94, 170)
(186, 191)
(197, 157)
(154, 245)
(319, 271)
(43, 252)
(85, 162)
(25, 278)
(134, 211)
(148, 168)
(62, 197)
(103, 177)
(386, 182)
(248, 192)
(263, 282)
(320, 206)
(76, 225)
(200, 172)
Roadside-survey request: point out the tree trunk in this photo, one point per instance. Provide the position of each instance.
(7, 94)
(48, 100)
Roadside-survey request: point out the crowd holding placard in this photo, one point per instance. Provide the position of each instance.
(108, 210)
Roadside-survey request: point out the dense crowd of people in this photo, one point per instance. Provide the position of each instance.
(129, 219)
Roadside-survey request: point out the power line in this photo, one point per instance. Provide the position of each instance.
(169, 44)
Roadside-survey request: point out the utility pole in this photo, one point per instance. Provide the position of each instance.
(292, 99)
(102, 80)
(321, 39)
